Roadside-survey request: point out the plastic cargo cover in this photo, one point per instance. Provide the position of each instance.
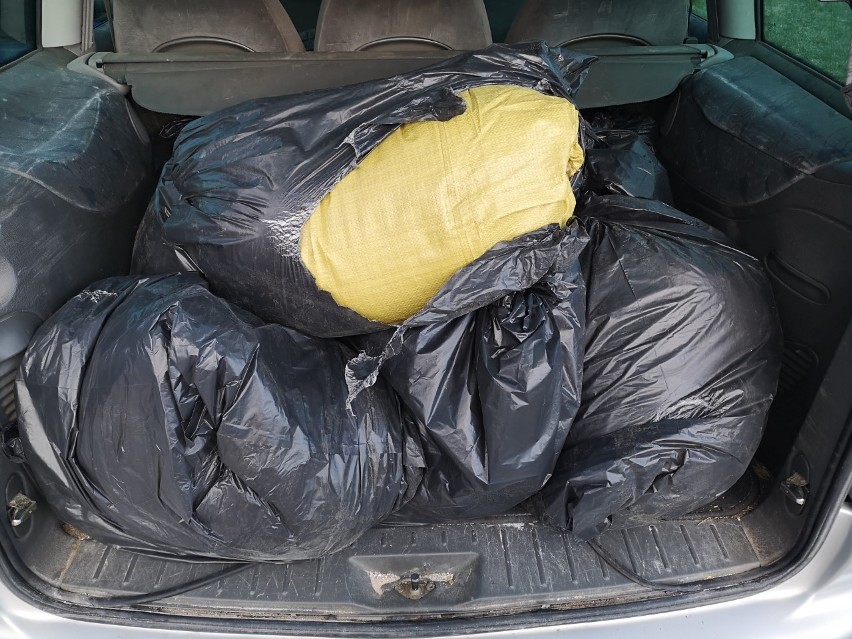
(233, 201)
(159, 417)
(682, 356)
(494, 390)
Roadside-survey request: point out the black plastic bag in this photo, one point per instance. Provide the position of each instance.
(492, 390)
(233, 199)
(159, 417)
(620, 162)
(682, 356)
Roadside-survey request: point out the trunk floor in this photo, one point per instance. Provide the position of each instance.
(487, 566)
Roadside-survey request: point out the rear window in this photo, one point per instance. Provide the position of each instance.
(699, 8)
(817, 33)
(17, 29)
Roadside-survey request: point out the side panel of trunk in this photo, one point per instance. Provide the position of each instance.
(757, 156)
(75, 176)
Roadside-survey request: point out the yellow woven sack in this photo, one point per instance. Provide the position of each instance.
(435, 196)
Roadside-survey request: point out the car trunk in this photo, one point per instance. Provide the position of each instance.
(793, 220)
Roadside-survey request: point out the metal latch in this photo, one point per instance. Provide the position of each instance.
(796, 488)
(414, 587)
(19, 509)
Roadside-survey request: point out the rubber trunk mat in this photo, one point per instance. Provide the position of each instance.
(493, 566)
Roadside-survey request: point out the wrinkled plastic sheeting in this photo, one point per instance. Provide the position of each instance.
(682, 356)
(493, 390)
(159, 417)
(232, 201)
(73, 171)
(620, 162)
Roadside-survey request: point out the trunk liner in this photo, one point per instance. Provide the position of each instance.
(489, 566)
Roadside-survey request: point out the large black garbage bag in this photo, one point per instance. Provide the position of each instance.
(494, 390)
(159, 417)
(620, 162)
(682, 357)
(233, 200)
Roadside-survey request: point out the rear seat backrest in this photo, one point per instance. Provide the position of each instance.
(402, 25)
(565, 22)
(202, 26)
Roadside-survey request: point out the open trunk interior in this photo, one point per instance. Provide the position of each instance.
(714, 116)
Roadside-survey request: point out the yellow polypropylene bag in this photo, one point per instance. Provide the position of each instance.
(435, 196)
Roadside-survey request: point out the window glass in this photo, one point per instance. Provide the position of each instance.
(17, 29)
(699, 8)
(817, 33)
